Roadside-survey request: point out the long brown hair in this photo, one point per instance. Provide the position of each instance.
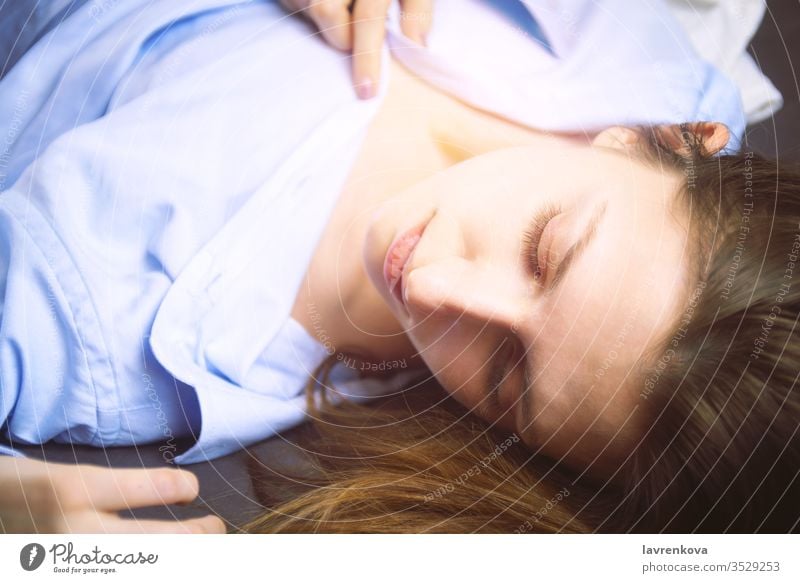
(722, 453)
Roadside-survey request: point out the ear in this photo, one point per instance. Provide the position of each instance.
(713, 136)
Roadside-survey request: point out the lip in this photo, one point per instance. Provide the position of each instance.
(398, 256)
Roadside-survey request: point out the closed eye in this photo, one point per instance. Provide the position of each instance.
(533, 236)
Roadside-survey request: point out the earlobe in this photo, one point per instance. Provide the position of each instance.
(617, 137)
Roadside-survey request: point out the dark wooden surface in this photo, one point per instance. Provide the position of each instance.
(776, 50)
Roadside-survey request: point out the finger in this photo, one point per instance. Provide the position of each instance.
(332, 17)
(102, 523)
(415, 19)
(100, 488)
(369, 29)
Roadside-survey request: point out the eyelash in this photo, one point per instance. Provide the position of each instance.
(533, 235)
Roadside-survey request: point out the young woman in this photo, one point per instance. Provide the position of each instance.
(212, 215)
(666, 399)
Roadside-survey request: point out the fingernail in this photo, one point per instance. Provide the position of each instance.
(365, 89)
(186, 487)
(191, 480)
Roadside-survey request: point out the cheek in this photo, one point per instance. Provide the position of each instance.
(456, 355)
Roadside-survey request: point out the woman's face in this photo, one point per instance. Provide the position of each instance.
(549, 269)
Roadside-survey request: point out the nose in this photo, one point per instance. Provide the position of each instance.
(457, 287)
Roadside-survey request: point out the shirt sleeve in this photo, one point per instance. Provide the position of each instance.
(8, 450)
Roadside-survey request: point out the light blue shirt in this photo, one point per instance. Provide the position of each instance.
(167, 169)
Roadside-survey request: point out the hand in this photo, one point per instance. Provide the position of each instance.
(40, 497)
(363, 31)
